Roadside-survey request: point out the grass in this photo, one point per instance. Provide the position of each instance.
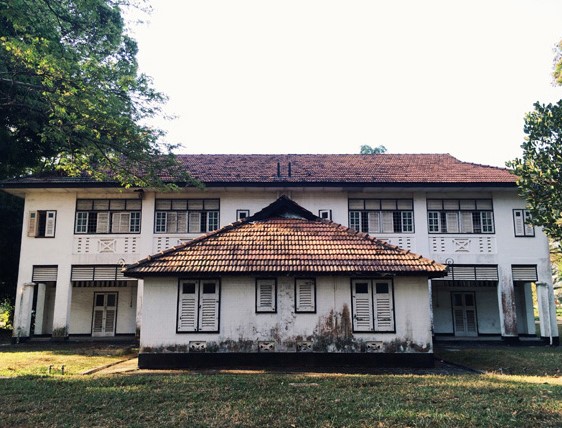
(526, 361)
(35, 359)
(218, 399)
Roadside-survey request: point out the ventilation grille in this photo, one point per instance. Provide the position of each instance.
(524, 273)
(44, 274)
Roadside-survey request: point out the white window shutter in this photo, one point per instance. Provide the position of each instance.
(50, 222)
(188, 303)
(466, 222)
(374, 221)
(384, 307)
(209, 306)
(182, 222)
(387, 222)
(305, 300)
(452, 220)
(265, 295)
(102, 222)
(194, 222)
(529, 229)
(362, 305)
(32, 223)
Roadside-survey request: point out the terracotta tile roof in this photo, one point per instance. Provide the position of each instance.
(334, 168)
(311, 169)
(285, 246)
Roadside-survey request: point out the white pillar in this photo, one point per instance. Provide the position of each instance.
(140, 288)
(506, 302)
(40, 309)
(528, 308)
(63, 299)
(547, 313)
(22, 316)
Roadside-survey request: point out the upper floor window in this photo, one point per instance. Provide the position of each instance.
(522, 223)
(108, 216)
(381, 215)
(460, 216)
(41, 224)
(186, 215)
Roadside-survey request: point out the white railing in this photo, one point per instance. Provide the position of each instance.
(105, 244)
(473, 244)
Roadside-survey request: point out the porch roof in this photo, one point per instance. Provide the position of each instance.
(284, 238)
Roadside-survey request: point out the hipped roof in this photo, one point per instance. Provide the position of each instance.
(284, 238)
(310, 170)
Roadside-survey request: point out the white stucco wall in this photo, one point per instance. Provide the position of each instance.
(83, 304)
(502, 248)
(239, 322)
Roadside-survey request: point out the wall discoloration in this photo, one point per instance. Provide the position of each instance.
(508, 308)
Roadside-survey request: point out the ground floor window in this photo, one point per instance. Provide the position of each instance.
(373, 305)
(198, 305)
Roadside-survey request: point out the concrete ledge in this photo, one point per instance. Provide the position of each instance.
(194, 360)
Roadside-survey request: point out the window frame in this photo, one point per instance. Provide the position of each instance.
(258, 308)
(199, 292)
(439, 218)
(358, 218)
(240, 212)
(87, 219)
(209, 221)
(327, 213)
(525, 213)
(38, 223)
(313, 296)
(372, 283)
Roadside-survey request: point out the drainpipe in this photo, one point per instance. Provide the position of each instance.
(544, 284)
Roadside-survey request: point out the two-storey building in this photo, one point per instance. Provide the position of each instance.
(79, 234)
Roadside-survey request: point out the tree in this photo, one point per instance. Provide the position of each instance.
(71, 97)
(368, 150)
(539, 170)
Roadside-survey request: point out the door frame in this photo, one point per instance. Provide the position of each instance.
(96, 293)
(473, 293)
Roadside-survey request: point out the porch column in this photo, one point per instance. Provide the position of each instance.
(40, 308)
(63, 299)
(547, 313)
(506, 301)
(140, 288)
(528, 291)
(22, 316)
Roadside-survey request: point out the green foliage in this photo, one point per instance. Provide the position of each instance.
(11, 214)
(6, 314)
(71, 97)
(540, 168)
(368, 150)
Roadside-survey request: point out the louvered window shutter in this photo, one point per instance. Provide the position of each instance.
(362, 305)
(102, 222)
(305, 299)
(384, 307)
(182, 222)
(452, 222)
(209, 306)
(50, 224)
(188, 303)
(265, 295)
(529, 229)
(32, 224)
(466, 222)
(374, 221)
(387, 222)
(194, 222)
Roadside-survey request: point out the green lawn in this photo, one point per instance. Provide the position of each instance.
(217, 399)
(35, 359)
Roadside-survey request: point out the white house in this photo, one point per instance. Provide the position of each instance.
(79, 234)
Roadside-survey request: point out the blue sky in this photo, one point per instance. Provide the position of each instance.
(328, 76)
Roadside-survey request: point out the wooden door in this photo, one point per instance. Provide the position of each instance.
(464, 314)
(105, 314)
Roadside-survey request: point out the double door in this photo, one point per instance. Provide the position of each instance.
(105, 314)
(464, 314)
